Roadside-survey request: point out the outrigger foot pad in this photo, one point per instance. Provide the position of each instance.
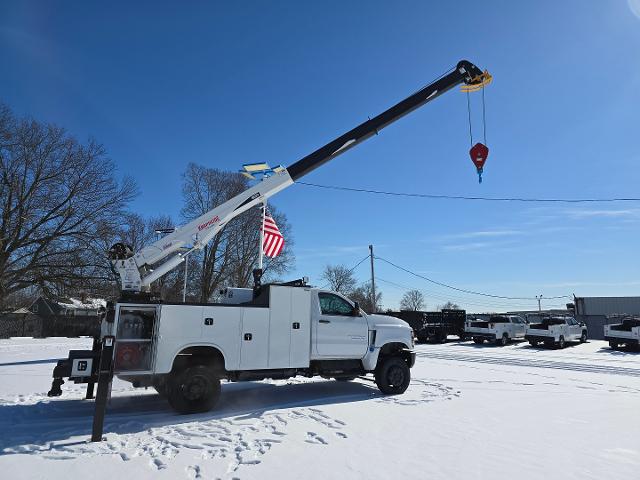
(55, 391)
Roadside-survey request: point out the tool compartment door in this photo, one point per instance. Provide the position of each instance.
(254, 339)
(300, 350)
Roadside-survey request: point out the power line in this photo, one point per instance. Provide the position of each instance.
(462, 289)
(473, 198)
(492, 305)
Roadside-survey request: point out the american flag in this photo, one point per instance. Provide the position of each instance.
(273, 240)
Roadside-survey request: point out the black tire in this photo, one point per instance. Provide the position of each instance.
(613, 344)
(583, 337)
(195, 389)
(478, 340)
(561, 342)
(503, 340)
(345, 379)
(393, 376)
(533, 343)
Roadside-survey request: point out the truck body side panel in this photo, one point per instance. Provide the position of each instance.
(179, 325)
(300, 350)
(222, 331)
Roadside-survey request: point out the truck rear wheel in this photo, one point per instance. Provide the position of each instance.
(393, 376)
(613, 344)
(195, 389)
(478, 340)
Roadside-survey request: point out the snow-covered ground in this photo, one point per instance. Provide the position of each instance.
(471, 412)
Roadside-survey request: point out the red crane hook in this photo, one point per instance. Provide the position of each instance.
(479, 153)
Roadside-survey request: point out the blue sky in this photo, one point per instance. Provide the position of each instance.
(225, 83)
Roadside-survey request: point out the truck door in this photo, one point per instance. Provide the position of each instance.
(574, 328)
(518, 327)
(340, 334)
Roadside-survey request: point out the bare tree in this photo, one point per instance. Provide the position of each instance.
(412, 300)
(340, 279)
(362, 295)
(448, 306)
(56, 195)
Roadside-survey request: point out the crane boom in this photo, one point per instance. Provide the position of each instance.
(137, 270)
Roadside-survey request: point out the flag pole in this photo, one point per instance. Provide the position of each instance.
(261, 246)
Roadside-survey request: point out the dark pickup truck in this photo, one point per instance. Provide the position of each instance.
(434, 326)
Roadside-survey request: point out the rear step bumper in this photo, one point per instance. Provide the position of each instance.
(540, 338)
(81, 366)
(626, 340)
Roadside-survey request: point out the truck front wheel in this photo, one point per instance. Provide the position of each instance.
(195, 389)
(503, 340)
(393, 376)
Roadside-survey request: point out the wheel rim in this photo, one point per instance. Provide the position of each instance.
(561, 343)
(395, 376)
(194, 388)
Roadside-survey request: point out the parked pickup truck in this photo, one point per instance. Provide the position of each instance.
(500, 329)
(556, 331)
(185, 350)
(626, 333)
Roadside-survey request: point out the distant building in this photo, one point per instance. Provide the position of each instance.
(594, 311)
(66, 307)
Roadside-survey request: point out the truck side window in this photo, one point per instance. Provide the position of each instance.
(331, 304)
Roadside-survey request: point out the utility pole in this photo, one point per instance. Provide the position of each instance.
(539, 297)
(373, 282)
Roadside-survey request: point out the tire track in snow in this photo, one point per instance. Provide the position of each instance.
(532, 362)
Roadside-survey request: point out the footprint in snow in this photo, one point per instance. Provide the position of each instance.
(313, 437)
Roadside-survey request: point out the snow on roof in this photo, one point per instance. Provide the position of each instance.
(88, 304)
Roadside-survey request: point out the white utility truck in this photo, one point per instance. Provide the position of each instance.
(556, 330)
(270, 331)
(626, 333)
(500, 329)
(287, 330)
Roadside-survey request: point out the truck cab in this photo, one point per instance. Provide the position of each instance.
(283, 331)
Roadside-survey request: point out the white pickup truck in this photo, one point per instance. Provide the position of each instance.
(626, 333)
(185, 350)
(500, 329)
(556, 331)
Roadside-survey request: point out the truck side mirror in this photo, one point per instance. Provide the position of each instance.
(356, 309)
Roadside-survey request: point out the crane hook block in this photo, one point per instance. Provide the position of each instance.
(479, 153)
(478, 82)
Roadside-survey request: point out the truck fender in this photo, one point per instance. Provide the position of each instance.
(370, 361)
(204, 354)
